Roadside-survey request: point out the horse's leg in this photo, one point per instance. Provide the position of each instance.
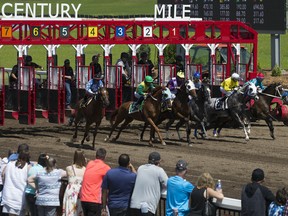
(237, 117)
(87, 127)
(178, 125)
(76, 122)
(188, 132)
(95, 133)
(142, 132)
(204, 132)
(124, 125)
(118, 120)
(269, 122)
(157, 131)
(168, 125)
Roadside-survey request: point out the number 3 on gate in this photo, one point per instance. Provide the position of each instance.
(120, 31)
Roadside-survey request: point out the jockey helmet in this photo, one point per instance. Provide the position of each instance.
(197, 75)
(124, 55)
(180, 74)
(67, 61)
(148, 79)
(97, 76)
(28, 58)
(260, 76)
(178, 58)
(95, 56)
(235, 76)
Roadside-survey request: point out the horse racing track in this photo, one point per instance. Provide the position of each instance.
(229, 157)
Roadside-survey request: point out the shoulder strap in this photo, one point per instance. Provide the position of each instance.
(73, 170)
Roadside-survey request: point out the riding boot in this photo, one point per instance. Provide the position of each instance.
(138, 102)
(223, 98)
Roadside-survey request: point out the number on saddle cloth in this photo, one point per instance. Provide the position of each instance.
(221, 104)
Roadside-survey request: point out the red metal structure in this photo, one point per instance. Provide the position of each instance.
(130, 32)
(2, 96)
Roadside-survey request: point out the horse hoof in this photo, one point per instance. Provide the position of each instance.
(215, 135)
(190, 145)
(247, 138)
(106, 139)
(163, 143)
(87, 139)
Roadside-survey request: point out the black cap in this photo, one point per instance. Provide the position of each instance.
(257, 175)
(67, 61)
(181, 165)
(154, 157)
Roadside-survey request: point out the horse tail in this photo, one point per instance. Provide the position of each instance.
(113, 116)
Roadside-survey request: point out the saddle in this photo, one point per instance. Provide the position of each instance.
(85, 103)
(220, 104)
(135, 108)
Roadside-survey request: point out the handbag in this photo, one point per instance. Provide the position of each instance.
(209, 208)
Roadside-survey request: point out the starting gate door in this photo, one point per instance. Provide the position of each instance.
(243, 72)
(219, 75)
(113, 82)
(2, 96)
(167, 71)
(56, 95)
(139, 73)
(191, 69)
(26, 95)
(84, 74)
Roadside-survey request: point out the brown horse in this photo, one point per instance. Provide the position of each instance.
(93, 112)
(150, 112)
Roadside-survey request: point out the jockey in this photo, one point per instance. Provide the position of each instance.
(258, 81)
(228, 85)
(142, 89)
(196, 80)
(176, 82)
(92, 87)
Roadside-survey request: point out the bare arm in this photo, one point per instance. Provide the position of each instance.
(214, 194)
(104, 202)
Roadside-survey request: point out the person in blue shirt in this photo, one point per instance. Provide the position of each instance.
(178, 191)
(258, 81)
(92, 88)
(196, 80)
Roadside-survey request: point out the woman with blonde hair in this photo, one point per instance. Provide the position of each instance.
(204, 190)
(75, 173)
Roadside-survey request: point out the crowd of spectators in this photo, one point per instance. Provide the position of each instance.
(93, 188)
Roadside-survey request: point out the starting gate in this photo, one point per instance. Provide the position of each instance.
(138, 75)
(56, 95)
(167, 71)
(191, 69)
(113, 82)
(84, 74)
(26, 95)
(2, 96)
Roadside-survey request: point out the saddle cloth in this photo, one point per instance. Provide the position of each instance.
(134, 108)
(220, 105)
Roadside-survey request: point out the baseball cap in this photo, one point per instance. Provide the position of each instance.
(154, 157)
(257, 175)
(181, 165)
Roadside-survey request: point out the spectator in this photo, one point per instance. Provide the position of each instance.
(175, 83)
(3, 163)
(13, 77)
(91, 186)
(122, 63)
(151, 180)
(48, 186)
(148, 63)
(30, 192)
(255, 197)
(178, 64)
(286, 208)
(15, 180)
(178, 191)
(28, 63)
(118, 184)
(142, 90)
(276, 208)
(22, 147)
(204, 190)
(69, 76)
(75, 173)
(96, 66)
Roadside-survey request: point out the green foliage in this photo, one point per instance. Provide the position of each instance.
(276, 71)
(170, 54)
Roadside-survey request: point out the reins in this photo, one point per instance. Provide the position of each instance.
(273, 96)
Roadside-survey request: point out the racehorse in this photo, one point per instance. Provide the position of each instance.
(151, 109)
(180, 110)
(234, 108)
(261, 108)
(93, 112)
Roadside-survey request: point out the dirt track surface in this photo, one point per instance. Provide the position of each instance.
(229, 157)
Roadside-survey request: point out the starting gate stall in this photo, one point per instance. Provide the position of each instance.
(56, 95)
(26, 95)
(2, 96)
(113, 82)
(138, 75)
(191, 69)
(167, 71)
(243, 70)
(84, 74)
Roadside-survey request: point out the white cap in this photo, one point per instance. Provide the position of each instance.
(235, 76)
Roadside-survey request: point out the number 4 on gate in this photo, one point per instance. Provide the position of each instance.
(92, 31)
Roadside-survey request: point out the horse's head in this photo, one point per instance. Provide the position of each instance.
(103, 95)
(167, 97)
(190, 88)
(250, 91)
(204, 93)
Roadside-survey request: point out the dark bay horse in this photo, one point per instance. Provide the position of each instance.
(180, 110)
(235, 111)
(150, 112)
(93, 113)
(260, 109)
